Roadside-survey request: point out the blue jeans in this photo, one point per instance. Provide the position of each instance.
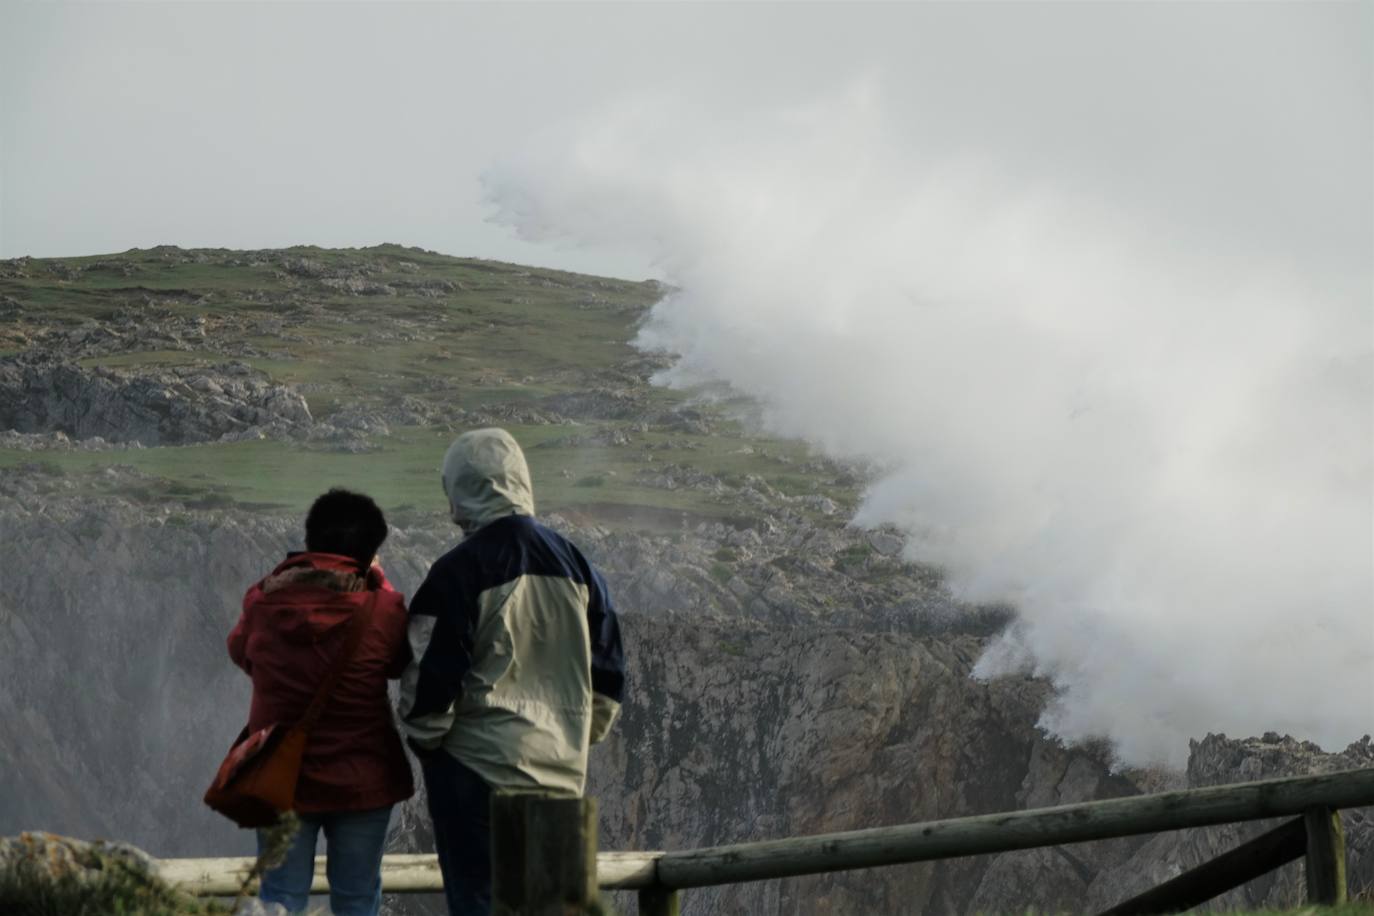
(353, 846)
(460, 808)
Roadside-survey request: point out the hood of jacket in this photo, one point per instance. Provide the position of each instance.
(311, 594)
(485, 478)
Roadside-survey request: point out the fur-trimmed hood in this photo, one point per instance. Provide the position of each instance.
(336, 580)
(311, 594)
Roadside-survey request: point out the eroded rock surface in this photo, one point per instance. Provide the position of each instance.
(60, 858)
(1218, 760)
(175, 406)
(96, 877)
(745, 720)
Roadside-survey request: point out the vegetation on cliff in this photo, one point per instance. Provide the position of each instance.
(390, 349)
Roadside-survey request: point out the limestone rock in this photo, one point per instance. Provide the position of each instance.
(170, 407)
(60, 857)
(358, 286)
(1218, 760)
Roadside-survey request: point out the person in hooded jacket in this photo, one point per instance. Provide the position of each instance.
(517, 664)
(294, 624)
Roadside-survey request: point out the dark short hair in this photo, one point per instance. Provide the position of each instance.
(346, 523)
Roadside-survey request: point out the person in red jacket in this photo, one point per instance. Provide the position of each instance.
(294, 624)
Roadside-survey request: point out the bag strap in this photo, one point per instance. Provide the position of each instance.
(361, 617)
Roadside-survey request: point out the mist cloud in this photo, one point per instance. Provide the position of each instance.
(1162, 454)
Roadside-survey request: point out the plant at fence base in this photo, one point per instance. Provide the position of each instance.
(46, 875)
(276, 844)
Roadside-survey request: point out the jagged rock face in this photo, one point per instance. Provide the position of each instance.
(784, 570)
(171, 407)
(744, 732)
(1218, 760)
(141, 598)
(114, 695)
(117, 702)
(130, 330)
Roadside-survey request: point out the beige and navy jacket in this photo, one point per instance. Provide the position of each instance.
(517, 664)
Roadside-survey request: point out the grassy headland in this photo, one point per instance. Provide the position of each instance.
(455, 342)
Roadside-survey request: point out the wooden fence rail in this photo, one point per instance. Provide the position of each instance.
(659, 876)
(402, 873)
(992, 833)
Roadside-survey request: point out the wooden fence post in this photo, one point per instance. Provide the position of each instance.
(658, 900)
(1325, 856)
(543, 851)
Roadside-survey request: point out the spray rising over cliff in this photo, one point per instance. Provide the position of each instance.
(1155, 442)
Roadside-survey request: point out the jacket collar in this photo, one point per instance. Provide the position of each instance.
(320, 570)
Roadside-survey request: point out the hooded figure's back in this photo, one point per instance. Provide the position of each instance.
(518, 665)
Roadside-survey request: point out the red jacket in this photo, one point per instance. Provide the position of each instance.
(293, 626)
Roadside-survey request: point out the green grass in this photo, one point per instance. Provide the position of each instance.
(145, 359)
(339, 362)
(504, 335)
(543, 318)
(404, 471)
(854, 557)
(1354, 908)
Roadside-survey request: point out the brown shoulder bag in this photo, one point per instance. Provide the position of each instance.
(256, 783)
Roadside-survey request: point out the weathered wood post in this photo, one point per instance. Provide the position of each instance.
(543, 851)
(658, 900)
(1325, 856)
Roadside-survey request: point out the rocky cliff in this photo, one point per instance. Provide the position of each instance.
(1217, 760)
(749, 716)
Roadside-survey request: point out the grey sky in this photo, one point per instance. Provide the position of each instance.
(1092, 281)
(1243, 126)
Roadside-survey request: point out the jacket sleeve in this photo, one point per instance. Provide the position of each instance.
(398, 636)
(608, 658)
(440, 634)
(238, 636)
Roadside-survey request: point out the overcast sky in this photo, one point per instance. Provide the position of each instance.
(1091, 281)
(1244, 125)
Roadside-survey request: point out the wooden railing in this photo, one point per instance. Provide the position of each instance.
(660, 877)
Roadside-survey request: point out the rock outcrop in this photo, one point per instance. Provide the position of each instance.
(174, 406)
(59, 857)
(1218, 760)
(746, 731)
(48, 873)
